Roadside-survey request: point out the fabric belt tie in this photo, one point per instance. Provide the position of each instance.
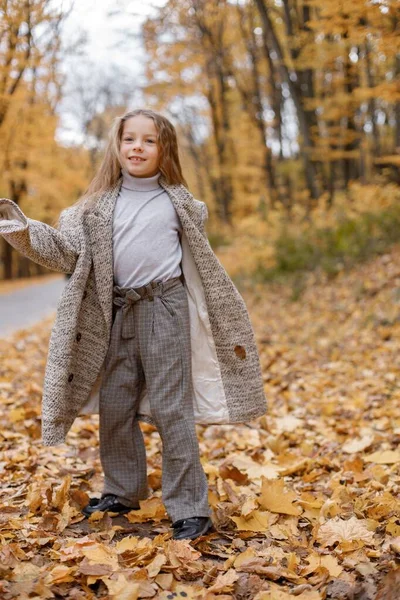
(127, 297)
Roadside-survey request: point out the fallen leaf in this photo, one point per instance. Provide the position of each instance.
(154, 567)
(150, 509)
(258, 522)
(121, 589)
(101, 554)
(358, 445)
(248, 507)
(276, 499)
(384, 457)
(344, 532)
(60, 574)
(224, 582)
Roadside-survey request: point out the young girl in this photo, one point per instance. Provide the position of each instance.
(149, 326)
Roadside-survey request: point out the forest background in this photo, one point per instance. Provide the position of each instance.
(288, 115)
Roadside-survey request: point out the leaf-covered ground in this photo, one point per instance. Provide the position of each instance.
(306, 501)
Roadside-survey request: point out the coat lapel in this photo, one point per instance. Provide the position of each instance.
(183, 202)
(99, 225)
(100, 222)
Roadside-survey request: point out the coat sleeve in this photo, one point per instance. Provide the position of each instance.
(56, 249)
(204, 217)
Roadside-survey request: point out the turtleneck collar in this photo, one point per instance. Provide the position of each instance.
(140, 184)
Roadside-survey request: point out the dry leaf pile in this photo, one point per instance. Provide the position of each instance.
(306, 501)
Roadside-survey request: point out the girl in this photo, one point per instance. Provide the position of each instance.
(149, 326)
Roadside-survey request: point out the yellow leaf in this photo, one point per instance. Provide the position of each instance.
(16, 414)
(224, 582)
(384, 457)
(253, 469)
(26, 571)
(129, 542)
(288, 423)
(152, 509)
(331, 564)
(274, 498)
(101, 554)
(392, 528)
(179, 590)
(121, 589)
(164, 580)
(180, 552)
(34, 497)
(154, 567)
(244, 556)
(60, 493)
(259, 521)
(276, 594)
(248, 507)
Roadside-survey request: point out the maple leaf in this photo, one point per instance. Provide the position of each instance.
(181, 552)
(224, 581)
(259, 521)
(101, 554)
(344, 532)
(121, 588)
(153, 509)
(154, 567)
(276, 499)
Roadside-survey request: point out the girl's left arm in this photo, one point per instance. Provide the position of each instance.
(57, 249)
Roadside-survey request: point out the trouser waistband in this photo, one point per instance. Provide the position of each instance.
(151, 289)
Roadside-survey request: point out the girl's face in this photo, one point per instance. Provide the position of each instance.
(139, 153)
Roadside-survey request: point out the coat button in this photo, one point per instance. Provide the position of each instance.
(70, 378)
(84, 294)
(78, 337)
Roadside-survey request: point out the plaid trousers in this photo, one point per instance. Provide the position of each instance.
(150, 342)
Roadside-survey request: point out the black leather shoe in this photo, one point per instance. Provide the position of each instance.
(108, 502)
(190, 529)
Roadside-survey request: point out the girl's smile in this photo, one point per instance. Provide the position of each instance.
(139, 153)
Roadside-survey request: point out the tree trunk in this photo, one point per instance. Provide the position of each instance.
(397, 111)
(350, 165)
(376, 145)
(253, 101)
(7, 256)
(271, 38)
(217, 95)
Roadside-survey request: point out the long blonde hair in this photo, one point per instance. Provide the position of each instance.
(109, 171)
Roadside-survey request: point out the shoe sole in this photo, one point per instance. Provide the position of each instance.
(206, 528)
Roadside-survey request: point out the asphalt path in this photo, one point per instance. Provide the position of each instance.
(29, 305)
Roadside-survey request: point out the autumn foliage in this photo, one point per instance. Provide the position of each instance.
(281, 107)
(305, 500)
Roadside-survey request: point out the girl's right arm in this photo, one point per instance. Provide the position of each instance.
(56, 249)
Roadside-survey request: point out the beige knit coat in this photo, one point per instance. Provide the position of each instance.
(226, 373)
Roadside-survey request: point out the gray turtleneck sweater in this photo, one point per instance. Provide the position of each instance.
(146, 233)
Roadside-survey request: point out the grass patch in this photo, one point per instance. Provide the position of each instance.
(332, 249)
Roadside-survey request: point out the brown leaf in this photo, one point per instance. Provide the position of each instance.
(227, 471)
(89, 568)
